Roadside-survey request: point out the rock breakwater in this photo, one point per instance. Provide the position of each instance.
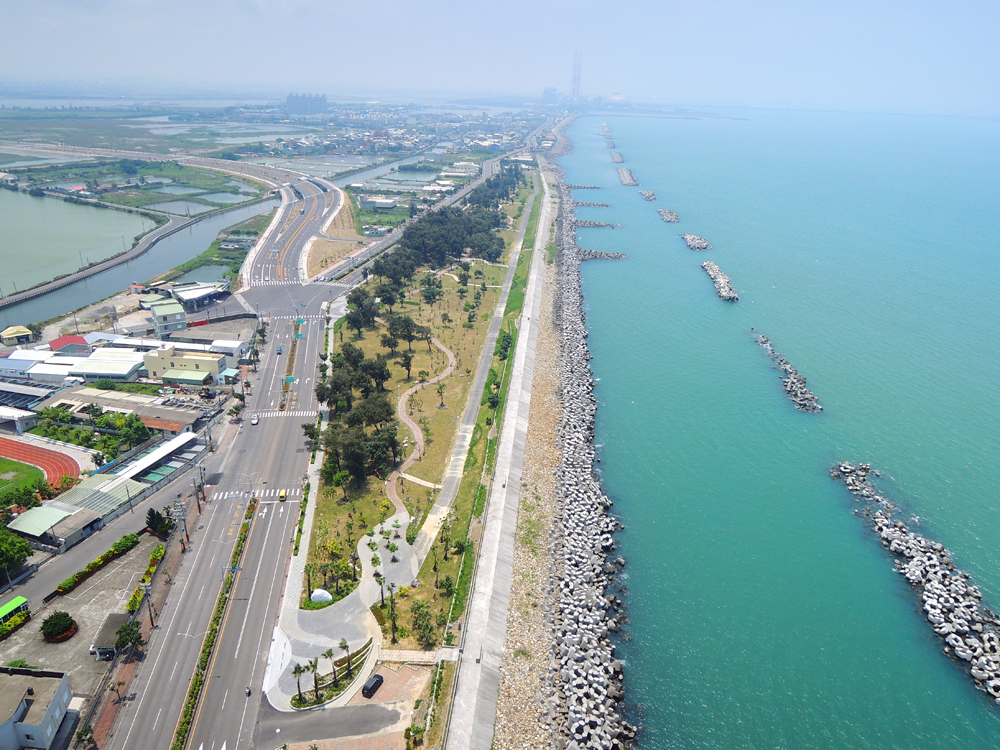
(952, 604)
(793, 383)
(599, 255)
(610, 144)
(596, 224)
(668, 216)
(695, 242)
(587, 678)
(617, 158)
(626, 177)
(647, 195)
(592, 205)
(722, 285)
(584, 187)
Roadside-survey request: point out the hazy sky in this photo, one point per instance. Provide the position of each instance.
(880, 55)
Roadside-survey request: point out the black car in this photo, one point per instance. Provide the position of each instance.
(372, 686)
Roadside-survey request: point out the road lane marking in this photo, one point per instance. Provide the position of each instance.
(253, 589)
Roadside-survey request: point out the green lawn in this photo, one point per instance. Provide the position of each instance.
(14, 474)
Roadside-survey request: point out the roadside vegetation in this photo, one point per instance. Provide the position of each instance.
(107, 432)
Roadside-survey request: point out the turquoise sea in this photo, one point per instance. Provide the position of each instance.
(764, 614)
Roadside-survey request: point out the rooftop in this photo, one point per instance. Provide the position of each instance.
(14, 685)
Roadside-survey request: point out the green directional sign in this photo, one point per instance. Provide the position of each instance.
(290, 379)
(298, 335)
(299, 321)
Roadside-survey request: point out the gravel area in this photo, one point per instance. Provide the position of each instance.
(528, 646)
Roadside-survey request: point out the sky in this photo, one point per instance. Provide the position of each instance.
(885, 56)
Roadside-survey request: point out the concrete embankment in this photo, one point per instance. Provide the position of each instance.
(695, 242)
(626, 177)
(793, 383)
(722, 285)
(617, 158)
(668, 216)
(587, 681)
(952, 604)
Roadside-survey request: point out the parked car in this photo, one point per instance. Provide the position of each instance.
(372, 686)
(255, 419)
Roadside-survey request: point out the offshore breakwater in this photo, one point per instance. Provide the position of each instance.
(793, 383)
(587, 679)
(722, 285)
(695, 242)
(951, 603)
(668, 216)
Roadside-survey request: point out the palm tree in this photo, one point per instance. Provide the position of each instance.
(392, 610)
(314, 668)
(298, 670)
(345, 646)
(328, 654)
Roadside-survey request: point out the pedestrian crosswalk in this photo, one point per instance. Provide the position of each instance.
(296, 317)
(293, 413)
(275, 283)
(270, 493)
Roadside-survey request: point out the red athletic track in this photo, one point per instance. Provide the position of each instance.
(53, 463)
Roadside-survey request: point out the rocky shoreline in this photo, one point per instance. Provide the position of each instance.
(695, 242)
(647, 195)
(626, 177)
(951, 603)
(722, 285)
(793, 383)
(668, 216)
(587, 678)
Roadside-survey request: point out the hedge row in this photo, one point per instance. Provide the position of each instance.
(302, 518)
(154, 559)
(118, 549)
(14, 623)
(194, 691)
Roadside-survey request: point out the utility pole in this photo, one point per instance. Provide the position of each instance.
(179, 513)
(147, 590)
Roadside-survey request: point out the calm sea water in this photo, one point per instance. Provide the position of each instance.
(763, 613)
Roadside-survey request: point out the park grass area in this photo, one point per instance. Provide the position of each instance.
(363, 506)
(15, 475)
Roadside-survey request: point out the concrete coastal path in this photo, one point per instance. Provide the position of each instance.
(475, 705)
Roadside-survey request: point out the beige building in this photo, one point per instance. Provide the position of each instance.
(184, 367)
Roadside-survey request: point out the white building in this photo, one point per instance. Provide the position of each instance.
(33, 703)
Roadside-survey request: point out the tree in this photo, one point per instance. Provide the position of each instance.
(448, 585)
(356, 320)
(422, 624)
(57, 624)
(129, 635)
(392, 610)
(157, 523)
(340, 479)
(380, 580)
(14, 551)
(314, 668)
(134, 431)
(297, 671)
(99, 459)
(423, 375)
(85, 736)
(406, 360)
(328, 654)
(353, 355)
(345, 646)
(403, 327)
(311, 431)
(377, 369)
(440, 391)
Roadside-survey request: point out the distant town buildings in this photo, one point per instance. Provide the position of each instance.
(306, 104)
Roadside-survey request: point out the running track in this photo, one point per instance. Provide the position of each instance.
(53, 463)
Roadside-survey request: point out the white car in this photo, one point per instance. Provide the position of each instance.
(255, 419)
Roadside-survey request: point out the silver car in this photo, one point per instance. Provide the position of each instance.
(255, 419)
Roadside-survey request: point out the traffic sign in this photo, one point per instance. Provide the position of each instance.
(289, 378)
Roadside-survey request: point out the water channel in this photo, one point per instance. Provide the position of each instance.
(162, 256)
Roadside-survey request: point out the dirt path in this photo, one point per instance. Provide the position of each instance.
(418, 434)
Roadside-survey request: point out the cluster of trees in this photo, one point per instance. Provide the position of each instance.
(445, 234)
(14, 551)
(500, 187)
(117, 431)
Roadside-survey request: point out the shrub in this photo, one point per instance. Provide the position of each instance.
(57, 624)
(13, 624)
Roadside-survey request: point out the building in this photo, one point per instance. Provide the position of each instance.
(14, 335)
(120, 365)
(306, 104)
(167, 317)
(197, 295)
(184, 367)
(18, 362)
(156, 412)
(33, 703)
(55, 525)
(376, 203)
(70, 345)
